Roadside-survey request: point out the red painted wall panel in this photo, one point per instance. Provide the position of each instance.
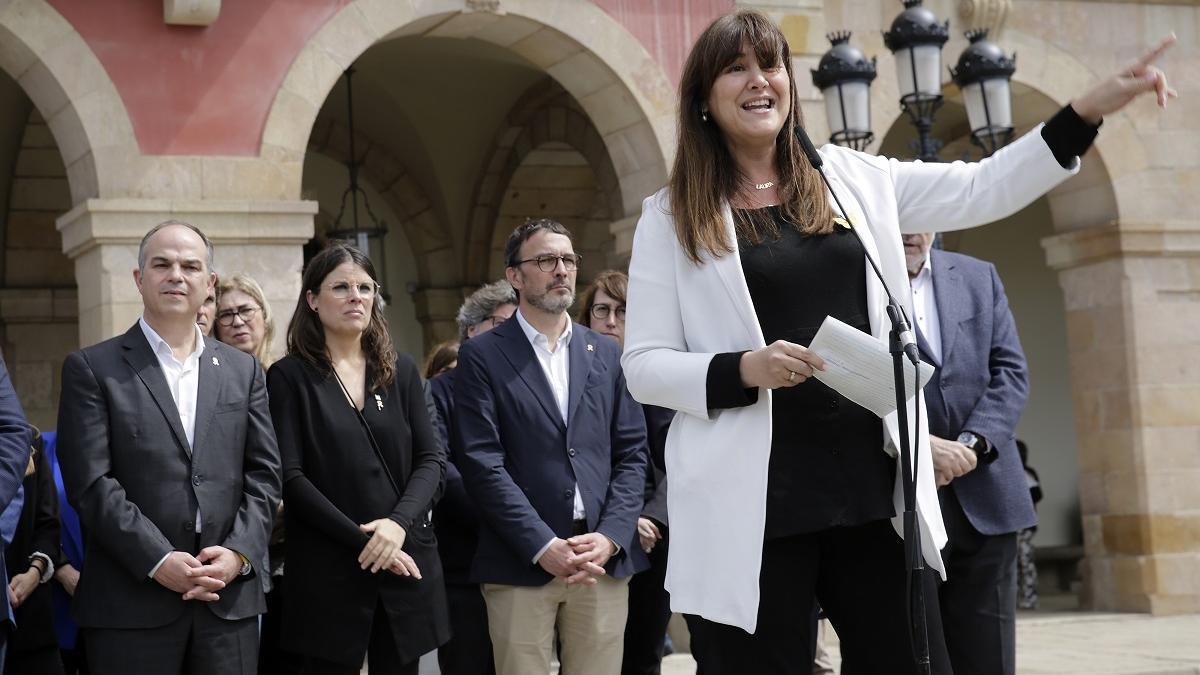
(208, 90)
(197, 90)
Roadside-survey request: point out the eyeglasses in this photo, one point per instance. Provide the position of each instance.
(245, 313)
(341, 289)
(549, 263)
(602, 311)
(495, 320)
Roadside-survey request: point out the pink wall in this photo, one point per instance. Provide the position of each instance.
(191, 90)
(667, 28)
(207, 91)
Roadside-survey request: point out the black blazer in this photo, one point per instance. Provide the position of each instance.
(37, 532)
(333, 482)
(521, 463)
(136, 482)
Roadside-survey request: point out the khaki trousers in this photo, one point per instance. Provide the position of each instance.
(590, 622)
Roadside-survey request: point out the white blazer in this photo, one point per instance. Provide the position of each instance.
(681, 314)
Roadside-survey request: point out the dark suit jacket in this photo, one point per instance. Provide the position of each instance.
(136, 482)
(37, 532)
(455, 517)
(981, 386)
(521, 463)
(15, 435)
(333, 482)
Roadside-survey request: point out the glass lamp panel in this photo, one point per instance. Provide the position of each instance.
(928, 60)
(850, 111)
(999, 103)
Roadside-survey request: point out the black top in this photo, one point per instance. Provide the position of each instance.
(827, 465)
(37, 532)
(333, 481)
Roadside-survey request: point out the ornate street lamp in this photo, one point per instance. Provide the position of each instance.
(844, 77)
(984, 74)
(359, 234)
(916, 40)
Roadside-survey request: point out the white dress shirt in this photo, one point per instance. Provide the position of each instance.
(926, 310)
(556, 365)
(183, 379)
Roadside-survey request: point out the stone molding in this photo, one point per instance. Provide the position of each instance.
(124, 221)
(1082, 247)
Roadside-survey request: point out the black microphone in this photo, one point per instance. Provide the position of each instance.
(895, 310)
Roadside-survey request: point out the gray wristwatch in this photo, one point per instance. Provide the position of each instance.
(979, 445)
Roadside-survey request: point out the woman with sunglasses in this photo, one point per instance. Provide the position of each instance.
(361, 464)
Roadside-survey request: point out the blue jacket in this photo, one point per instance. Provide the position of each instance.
(981, 386)
(520, 463)
(15, 436)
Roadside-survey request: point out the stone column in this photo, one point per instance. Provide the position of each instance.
(436, 310)
(1132, 295)
(261, 238)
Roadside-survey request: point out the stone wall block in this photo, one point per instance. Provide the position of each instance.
(40, 194)
(39, 163)
(611, 109)
(583, 73)
(546, 48)
(508, 31)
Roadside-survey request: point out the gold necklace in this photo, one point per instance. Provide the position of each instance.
(764, 186)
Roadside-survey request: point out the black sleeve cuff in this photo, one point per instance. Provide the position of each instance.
(1068, 135)
(724, 384)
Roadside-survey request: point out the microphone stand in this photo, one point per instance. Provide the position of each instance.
(900, 345)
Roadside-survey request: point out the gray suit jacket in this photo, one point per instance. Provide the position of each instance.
(136, 483)
(981, 386)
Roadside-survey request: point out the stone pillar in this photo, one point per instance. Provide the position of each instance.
(436, 310)
(261, 238)
(1132, 295)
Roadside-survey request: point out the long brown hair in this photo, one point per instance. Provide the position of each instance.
(306, 334)
(705, 175)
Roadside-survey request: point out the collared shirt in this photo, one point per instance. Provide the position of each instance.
(557, 367)
(926, 309)
(183, 380)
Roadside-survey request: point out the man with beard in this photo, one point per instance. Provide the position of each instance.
(553, 450)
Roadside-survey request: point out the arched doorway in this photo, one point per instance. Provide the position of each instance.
(458, 151)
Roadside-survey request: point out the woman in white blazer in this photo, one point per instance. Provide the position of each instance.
(781, 489)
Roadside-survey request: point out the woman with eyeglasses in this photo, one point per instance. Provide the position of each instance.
(244, 319)
(361, 464)
(602, 308)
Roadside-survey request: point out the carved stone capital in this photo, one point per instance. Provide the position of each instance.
(989, 14)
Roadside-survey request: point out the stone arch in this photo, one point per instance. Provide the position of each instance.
(404, 195)
(545, 113)
(622, 89)
(59, 72)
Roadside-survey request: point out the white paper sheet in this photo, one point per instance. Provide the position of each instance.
(859, 367)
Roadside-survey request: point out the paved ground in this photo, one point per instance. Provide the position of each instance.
(1069, 643)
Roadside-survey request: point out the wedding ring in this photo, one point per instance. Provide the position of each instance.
(791, 376)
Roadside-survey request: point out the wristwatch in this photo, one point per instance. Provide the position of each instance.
(246, 567)
(979, 445)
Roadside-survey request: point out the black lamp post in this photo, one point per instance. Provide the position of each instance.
(844, 77)
(359, 234)
(984, 75)
(916, 40)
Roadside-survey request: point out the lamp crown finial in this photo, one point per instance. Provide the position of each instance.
(908, 4)
(839, 37)
(976, 34)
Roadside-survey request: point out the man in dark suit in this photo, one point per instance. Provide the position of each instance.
(975, 399)
(15, 436)
(552, 449)
(168, 454)
(455, 518)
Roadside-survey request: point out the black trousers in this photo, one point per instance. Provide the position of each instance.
(979, 597)
(197, 643)
(383, 656)
(469, 651)
(649, 613)
(273, 659)
(857, 575)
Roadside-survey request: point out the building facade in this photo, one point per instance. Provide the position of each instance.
(472, 115)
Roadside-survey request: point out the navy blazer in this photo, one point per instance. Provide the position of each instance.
(981, 386)
(455, 518)
(15, 436)
(520, 463)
